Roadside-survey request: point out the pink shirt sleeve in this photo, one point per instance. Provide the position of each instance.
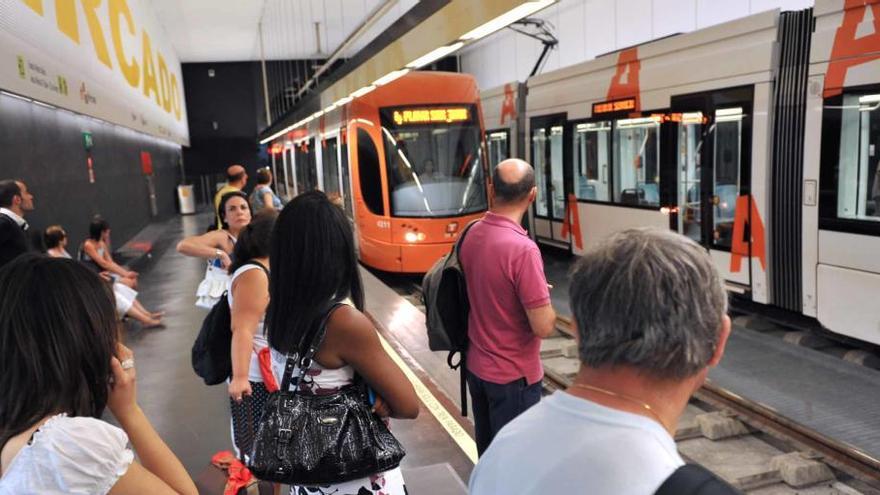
(531, 285)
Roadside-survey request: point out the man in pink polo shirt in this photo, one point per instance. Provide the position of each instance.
(510, 305)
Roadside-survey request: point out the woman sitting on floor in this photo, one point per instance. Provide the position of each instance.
(95, 253)
(62, 365)
(126, 298)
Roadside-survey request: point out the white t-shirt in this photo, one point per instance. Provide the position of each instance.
(69, 456)
(569, 445)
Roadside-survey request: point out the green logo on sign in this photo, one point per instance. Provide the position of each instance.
(87, 140)
(62, 85)
(21, 68)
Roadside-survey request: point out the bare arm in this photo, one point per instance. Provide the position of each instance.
(105, 262)
(160, 470)
(542, 320)
(250, 297)
(352, 338)
(206, 246)
(268, 202)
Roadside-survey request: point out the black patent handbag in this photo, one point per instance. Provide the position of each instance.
(310, 440)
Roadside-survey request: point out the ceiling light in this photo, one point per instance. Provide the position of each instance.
(387, 78)
(434, 55)
(507, 18)
(362, 91)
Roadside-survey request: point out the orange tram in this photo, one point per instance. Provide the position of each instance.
(407, 160)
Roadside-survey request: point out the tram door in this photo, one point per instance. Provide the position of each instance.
(547, 146)
(499, 147)
(713, 148)
(345, 174)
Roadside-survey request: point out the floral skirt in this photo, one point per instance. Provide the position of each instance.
(387, 483)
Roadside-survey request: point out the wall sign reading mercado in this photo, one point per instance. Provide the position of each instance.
(104, 58)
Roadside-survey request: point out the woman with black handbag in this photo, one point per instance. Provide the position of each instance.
(320, 350)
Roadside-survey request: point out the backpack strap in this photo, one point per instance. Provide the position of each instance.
(693, 479)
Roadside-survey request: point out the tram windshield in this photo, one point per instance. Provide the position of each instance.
(435, 161)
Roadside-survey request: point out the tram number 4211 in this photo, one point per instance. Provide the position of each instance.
(383, 224)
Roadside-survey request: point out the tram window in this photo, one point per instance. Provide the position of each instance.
(434, 169)
(636, 152)
(690, 141)
(302, 166)
(369, 172)
(858, 186)
(330, 166)
(499, 147)
(726, 183)
(539, 161)
(557, 184)
(592, 154)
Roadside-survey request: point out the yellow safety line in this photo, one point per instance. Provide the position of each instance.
(461, 437)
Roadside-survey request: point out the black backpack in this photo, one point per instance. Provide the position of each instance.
(211, 352)
(693, 479)
(444, 293)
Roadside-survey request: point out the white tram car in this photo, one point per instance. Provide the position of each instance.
(758, 138)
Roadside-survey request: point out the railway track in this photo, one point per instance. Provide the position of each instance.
(752, 447)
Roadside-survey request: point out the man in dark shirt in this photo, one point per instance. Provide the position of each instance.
(15, 200)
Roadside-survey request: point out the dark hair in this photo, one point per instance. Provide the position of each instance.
(58, 331)
(313, 265)
(235, 177)
(97, 227)
(221, 209)
(53, 236)
(9, 189)
(510, 193)
(264, 175)
(254, 240)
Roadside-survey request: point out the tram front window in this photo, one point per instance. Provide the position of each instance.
(434, 161)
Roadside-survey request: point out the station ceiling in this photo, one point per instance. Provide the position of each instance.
(228, 30)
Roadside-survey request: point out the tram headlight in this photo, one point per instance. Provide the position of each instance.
(414, 236)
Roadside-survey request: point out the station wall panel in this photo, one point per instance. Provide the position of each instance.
(44, 147)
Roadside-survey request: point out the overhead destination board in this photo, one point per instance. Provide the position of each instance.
(432, 115)
(109, 60)
(614, 106)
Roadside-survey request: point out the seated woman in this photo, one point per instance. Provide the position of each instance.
(314, 266)
(95, 253)
(216, 246)
(263, 196)
(62, 365)
(127, 304)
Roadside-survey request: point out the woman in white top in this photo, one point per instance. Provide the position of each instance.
(62, 365)
(248, 297)
(216, 247)
(314, 265)
(126, 297)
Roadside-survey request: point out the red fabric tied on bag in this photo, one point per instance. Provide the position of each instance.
(238, 475)
(265, 359)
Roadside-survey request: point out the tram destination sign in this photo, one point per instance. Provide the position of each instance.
(431, 115)
(614, 106)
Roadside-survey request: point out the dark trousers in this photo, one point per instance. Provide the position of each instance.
(496, 404)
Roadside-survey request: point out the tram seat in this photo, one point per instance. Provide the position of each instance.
(585, 189)
(726, 207)
(634, 196)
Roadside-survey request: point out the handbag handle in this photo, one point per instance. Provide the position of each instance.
(313, 344)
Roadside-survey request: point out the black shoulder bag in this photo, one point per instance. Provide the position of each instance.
(305, 439)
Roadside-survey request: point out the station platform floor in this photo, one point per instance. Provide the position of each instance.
(821, 391)
(194, 419)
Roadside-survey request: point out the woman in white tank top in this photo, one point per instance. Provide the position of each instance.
(248, 297)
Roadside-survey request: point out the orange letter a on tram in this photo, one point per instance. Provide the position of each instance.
(856, 42)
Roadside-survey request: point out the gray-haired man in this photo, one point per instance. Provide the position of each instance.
(651, 317)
